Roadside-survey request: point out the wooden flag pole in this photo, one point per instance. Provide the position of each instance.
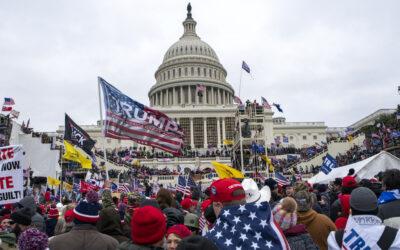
(102, 131)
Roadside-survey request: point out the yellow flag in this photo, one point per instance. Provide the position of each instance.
(67, 186)
(269, 163)
(350, 138)
(52, 181)
(76, 154)
(228, 142)
(225, 171)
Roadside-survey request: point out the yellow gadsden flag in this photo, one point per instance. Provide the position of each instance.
(52, 181)
(76, 154)
(225, 171)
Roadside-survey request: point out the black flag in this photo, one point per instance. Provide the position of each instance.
(77, 136)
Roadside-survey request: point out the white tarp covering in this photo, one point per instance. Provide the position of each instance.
(364, 169)
(39, 157)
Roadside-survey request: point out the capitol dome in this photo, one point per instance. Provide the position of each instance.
(190, 66)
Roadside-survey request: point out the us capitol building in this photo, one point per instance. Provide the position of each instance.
(206, 119)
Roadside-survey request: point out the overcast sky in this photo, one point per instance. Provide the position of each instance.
(331, 61)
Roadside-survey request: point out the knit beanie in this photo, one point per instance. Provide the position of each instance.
(148, 225)
(22, 217)
(87, 210)
(285, 213)
(32, 239)
(196, 243)
(179, 230)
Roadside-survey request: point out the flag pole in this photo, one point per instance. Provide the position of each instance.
(241, 144)
(61, 166)
(102, 131)
(240, 82)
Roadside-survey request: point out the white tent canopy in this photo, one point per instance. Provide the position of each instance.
(364, 169)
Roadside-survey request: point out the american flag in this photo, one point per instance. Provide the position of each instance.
(123, 188)
(130, 120)
(245, 67)
(249, 226)
(281, 179)
(265, 103)
(8, 101)
(184, 187)
(6, 108)
(203, 222)
(237, 100)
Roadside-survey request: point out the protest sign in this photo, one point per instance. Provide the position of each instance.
(11, 174)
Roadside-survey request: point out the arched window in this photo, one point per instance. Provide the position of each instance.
(198, 71)
(164, 76)
(215, 74)
(168, 74)
(205, 72)
(179, 72)
(201, 50)
(186, 71)
(192, 71)
(181, 49)
(173, 73)
(195, 48)
(209, 73)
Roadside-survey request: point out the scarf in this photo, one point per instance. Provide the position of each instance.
(388, 196)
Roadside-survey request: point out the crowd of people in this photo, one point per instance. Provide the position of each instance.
(229, 214)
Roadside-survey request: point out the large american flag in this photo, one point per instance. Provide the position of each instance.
(249, 226)
(128, 119)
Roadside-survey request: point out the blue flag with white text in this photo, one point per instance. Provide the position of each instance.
(328, 164)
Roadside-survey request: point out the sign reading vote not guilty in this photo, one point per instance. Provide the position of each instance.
(11, 174)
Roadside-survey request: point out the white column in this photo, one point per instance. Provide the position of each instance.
(167, 97)
(205, 132)
(182, 99)
(218, 133)
(174, 96)
(191, 134)
(189, 94)
(217, 96)
(205, 97)
(196, 96)
(212, 95)
(223, 129)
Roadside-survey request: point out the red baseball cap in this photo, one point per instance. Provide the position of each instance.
(349, 181)
(223, 190)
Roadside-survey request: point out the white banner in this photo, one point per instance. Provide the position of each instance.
(11, 174)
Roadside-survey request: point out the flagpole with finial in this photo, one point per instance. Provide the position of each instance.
(102, 130)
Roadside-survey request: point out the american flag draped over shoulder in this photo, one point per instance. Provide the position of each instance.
(130, 120)
(248, 226)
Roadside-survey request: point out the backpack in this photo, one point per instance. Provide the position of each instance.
(384, 242)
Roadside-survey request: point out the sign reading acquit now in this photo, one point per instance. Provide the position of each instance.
(11, 174)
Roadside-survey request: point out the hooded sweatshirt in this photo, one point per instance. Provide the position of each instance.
(110, 224)
(318, 225)
(37, 219)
